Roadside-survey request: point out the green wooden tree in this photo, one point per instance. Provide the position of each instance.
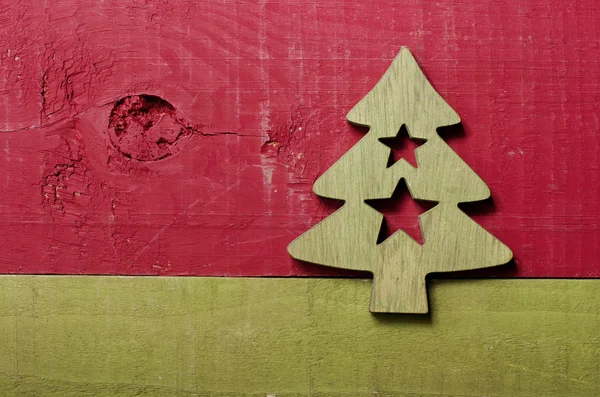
(348, 238)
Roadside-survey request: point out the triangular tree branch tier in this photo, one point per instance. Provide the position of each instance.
(451, 240)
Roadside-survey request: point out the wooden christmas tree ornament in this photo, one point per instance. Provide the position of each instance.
(451, 240)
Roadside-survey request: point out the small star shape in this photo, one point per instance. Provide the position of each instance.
(402, 146)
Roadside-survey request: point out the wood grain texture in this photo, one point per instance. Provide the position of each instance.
(348, 239)
(105, 336)
(261, 90)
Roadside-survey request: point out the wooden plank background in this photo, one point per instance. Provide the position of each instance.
(185, 336)
(261, 90)
(243, 107)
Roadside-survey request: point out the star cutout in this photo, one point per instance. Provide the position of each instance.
(402, 146)
(401, 211)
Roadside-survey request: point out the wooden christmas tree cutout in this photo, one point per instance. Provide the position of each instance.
(348, 238)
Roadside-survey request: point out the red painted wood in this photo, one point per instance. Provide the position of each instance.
(254, 100)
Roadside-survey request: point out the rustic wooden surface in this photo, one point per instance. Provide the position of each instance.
(210, 173)
(351, 238)
(184, 336)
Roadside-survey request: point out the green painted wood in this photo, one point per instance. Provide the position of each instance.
(105, 336)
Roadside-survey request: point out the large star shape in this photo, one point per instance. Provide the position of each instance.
(401, 211)
(402, 146)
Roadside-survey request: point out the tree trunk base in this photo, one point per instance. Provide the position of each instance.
(394, 294)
